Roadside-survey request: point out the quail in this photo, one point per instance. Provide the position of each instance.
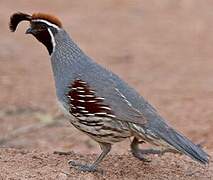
(98, 102)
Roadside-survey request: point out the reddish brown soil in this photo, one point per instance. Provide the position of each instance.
(162, 48)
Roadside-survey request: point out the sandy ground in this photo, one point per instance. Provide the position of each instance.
(162, 48)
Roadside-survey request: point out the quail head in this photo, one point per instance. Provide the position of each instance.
(98, 102)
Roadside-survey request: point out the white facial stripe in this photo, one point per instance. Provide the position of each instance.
(52, 39)
(46, 22)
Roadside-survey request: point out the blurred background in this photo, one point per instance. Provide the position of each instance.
(162, 48)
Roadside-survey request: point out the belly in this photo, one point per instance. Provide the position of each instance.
(102, 129)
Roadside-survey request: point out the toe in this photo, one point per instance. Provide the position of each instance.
(141, 157)
(73, 163)
(82, 167)
(87, 168)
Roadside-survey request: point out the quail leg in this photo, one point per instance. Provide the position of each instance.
(92, 167)
(140, 153)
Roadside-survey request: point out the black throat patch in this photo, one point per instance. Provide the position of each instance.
(45, 38)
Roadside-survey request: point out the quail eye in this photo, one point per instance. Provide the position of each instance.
(39, 26)
(41, 29)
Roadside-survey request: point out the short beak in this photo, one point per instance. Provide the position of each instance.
(30, 31)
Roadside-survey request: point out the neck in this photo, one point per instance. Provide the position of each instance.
(66, 47)
(65, 54)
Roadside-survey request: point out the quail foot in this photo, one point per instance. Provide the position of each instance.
(98, 102)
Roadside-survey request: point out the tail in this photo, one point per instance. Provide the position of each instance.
(178, 141)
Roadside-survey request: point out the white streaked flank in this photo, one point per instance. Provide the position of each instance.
(89, 95)
(80, 107)
(81, 95)
(101, 113)
(90, 114)
(105, 107)
(99, 98)
(84, 111)
(91, 101)
(80, 100)
(81, 91)
(110, 115)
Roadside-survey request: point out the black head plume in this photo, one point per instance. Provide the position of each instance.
(16, 18)
(42, 26)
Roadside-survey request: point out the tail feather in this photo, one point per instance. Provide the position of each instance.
(185, 146)
(179, 142)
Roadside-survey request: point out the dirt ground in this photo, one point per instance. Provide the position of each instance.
(162, 48)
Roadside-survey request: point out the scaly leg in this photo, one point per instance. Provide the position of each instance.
(139, 153)
(93, 167)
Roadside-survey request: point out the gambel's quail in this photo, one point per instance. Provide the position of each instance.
(98, 102)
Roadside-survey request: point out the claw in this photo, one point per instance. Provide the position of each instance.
(73, 163)
(84, 167)
(92, 167)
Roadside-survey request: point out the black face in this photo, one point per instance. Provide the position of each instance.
(41, 33)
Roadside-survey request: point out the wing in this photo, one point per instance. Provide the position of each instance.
(106, 95)
(85, 100)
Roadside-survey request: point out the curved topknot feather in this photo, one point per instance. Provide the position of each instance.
(48, 17)
(16, 18)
